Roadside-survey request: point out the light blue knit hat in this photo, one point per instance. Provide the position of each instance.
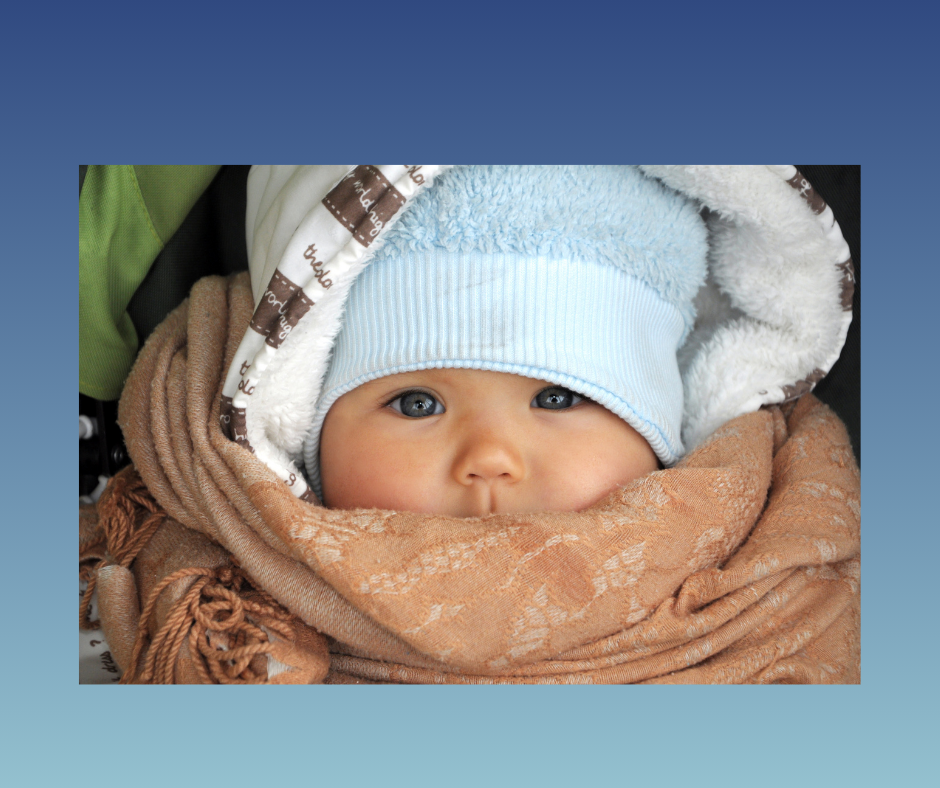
(580, 276)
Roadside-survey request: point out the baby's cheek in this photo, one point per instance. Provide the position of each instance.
(352, 480)
(583, 486)
(374, 476)
(601, 463)
(406, 483)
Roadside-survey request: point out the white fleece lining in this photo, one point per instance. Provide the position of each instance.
(777, 263)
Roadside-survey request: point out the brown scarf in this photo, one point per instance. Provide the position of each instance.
(741, 564)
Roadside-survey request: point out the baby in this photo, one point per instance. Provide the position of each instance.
(512, 346)
(481, 393)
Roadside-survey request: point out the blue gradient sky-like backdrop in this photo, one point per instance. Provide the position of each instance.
(550, 89)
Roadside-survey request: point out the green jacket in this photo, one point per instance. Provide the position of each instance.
(126, 215)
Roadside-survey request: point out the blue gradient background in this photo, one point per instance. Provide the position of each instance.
(807, 85)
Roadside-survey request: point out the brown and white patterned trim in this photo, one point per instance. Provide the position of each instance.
(309, 496)
(847, 291)
(848, 284)
(808, 193)
(239, 428)
(232, 420)
(364, 202)
(804, 386)
(333, 237)
(282, 306)
(819, 207)
(225, 417)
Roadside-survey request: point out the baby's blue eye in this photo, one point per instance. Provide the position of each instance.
(416, 404)
(556, 398)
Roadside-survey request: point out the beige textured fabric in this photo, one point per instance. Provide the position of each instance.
(201, 621)
(741, 564)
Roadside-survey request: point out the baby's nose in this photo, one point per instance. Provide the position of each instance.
(489, 456)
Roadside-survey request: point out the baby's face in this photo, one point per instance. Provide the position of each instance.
(467, 443)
